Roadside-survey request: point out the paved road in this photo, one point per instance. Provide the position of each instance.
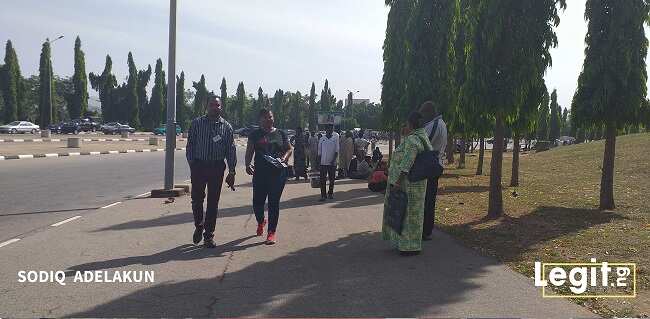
(37, 193)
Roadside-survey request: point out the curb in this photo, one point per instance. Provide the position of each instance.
(50, 155)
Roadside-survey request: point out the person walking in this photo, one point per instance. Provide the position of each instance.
(361, 147)
(436, 131)
(328, 150)
(210, 141)
(409, 242)
(271, 150)
(347, 151)
(313, 151)
(299, 155)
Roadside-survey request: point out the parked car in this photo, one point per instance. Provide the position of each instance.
(55, 128)
(73, 127)
(245, 131)
(116, 128)
(162, 130)
(19, 127)
(89, 125)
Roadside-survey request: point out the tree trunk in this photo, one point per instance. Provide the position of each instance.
(481, 155)
(390, 145)
(495, 207)
(472, 147)
(450, 149)
(461, 161)
(607, 179)
(514, 178)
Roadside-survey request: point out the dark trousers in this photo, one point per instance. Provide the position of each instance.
(430, 206)
(325, 172)
(268, 185)
(211, 174)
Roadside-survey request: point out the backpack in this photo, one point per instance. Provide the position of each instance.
(426, 164)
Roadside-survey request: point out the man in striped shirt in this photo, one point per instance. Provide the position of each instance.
(210, 141)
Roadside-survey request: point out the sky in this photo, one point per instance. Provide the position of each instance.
(278, 44)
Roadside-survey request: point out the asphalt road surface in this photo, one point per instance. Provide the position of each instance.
(36, 193)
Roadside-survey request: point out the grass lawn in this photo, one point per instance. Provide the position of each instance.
(553, 216)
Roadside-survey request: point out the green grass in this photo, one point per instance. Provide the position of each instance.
(553, 216)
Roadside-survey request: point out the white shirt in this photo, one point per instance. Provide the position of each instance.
(439, 139)
(327, 149)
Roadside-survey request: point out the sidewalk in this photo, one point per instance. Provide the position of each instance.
(329, 262)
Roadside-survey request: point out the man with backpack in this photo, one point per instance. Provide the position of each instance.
(437, 131)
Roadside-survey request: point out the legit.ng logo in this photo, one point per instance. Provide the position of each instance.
(587, 280)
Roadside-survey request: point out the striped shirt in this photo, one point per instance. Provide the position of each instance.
(211, 141)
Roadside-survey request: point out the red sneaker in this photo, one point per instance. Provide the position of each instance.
(260, 228)
(270, 239)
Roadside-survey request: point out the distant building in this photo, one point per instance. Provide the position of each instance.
(357, 101)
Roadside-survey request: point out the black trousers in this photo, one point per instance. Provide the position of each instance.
(430, 206)
(211, 174)
(325, 172)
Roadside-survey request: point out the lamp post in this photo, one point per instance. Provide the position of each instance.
(49, 76)
(170, 146)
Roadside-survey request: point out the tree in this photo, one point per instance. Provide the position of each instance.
(555, 120)
(326, 98)
(277, 105)
(224, 98)
(11, 85)
(543, 117)
(131, 105)
(239, 104)
(45, 94)
(144, 76)
(313, 124)
(565, 127)
(79, 105)
(105, 85)
(392, 83)
(157, 104)
(201, 96)
(508, 45)
(182, 109)
(612, 85)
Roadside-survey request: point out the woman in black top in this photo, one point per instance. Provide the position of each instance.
(272, 151)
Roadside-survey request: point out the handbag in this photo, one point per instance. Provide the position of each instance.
(396, 206)
(426, 164)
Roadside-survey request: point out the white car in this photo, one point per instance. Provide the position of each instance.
(19, 127)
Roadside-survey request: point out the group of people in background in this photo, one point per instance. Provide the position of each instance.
(211, 146)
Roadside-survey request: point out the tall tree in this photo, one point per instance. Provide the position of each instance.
(313, 124)
(543, 118)
(555, 119)
(105, 85)
(79, 105)
(224, 98)
(325, 98)
(393, 79)
(239, 104)
(278, 104)
(508, 46)
(11, 85)
(524, 121)
(201, 96)
(565, 127)
(612, 85)
(182, 109)
(156, 105)
(131, 98)
(45, 94)
(144, 76)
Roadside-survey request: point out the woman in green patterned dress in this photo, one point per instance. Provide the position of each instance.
(415, 142)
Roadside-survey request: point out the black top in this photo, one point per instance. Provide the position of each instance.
(274, 144)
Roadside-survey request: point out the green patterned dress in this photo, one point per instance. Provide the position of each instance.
(401, 161)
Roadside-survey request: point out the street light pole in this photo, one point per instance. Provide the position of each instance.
(171, 100)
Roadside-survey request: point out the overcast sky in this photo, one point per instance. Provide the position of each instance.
(278, 44)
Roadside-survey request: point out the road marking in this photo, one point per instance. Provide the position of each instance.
(19, 140)
(146, 150)
(113, 152)
(130, 151)
(95, 153)
(2, 158)
(161, 149)
(111, 205)
(37, 140)
(65, 221)
(25, 156)
(144, 195)
(74, 154)
(52, 155)
(10, 241)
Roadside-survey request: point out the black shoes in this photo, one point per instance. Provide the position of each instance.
(198, 235)
(322, 199)
(330, 196)
(209, 243)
